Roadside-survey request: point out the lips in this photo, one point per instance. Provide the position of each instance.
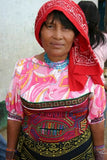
(57, 45)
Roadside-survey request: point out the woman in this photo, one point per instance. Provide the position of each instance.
(57, 96)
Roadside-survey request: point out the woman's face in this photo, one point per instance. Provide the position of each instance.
(56, 39)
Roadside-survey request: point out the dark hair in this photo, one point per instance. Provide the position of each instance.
(93, 17)
(64, 20)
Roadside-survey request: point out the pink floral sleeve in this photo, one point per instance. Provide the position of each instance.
(13, 102)
(97, 105)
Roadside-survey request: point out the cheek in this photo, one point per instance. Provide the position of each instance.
(43, 35)
(44, 38)
(45, 42)
(70, 37)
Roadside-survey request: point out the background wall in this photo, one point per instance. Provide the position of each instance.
(17, 39)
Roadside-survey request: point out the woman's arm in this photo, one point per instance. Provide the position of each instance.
(98, 140)
(13, 130)
(97, 130)
(96, 120)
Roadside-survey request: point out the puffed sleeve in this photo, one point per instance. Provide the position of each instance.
(97, 105)
(13, 101)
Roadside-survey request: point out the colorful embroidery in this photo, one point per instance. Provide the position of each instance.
(54, 104)
(98, 119)
(59, 124)
(13, 116)
(79, 147)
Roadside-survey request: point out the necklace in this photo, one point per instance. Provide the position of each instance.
(56, 65)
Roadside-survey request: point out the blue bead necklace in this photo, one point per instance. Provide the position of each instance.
(56, 65)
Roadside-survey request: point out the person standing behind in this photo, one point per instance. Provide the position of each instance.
(98, 39)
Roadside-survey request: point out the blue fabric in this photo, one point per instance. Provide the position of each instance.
(3, 146)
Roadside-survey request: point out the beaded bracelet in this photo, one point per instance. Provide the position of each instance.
(99, 148)
(10, 153)
(99, 152)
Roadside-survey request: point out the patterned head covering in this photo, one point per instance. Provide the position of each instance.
(82, 61)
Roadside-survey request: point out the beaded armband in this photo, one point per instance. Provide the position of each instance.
(10, 153)
(99, 152)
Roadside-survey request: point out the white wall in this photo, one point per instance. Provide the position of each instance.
(16, 36)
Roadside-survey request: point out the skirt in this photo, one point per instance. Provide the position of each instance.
(78, 148)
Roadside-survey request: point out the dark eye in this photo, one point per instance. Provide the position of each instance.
(66, 27)
(49, 25)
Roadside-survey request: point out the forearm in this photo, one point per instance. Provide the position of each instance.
(13, 130)
(98, 140)
(98, 133)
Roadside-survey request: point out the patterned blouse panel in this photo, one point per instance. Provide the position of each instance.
(58, 124)
(34, 81)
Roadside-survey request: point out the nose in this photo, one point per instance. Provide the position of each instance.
(58, 34)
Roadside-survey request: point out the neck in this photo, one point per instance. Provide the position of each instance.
(57, 58)
(57, 64)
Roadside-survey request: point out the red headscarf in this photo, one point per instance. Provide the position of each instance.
(82, 61)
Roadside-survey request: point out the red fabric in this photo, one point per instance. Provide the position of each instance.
(82, 62)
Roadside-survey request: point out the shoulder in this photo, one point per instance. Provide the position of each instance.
(105, 36)
(104, 46)
(26, 64)
(23, 61)
(101, 49)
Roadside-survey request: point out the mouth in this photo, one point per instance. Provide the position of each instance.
(57, 45)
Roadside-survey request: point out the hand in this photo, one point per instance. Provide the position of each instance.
(100, 156)
(10, 153)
